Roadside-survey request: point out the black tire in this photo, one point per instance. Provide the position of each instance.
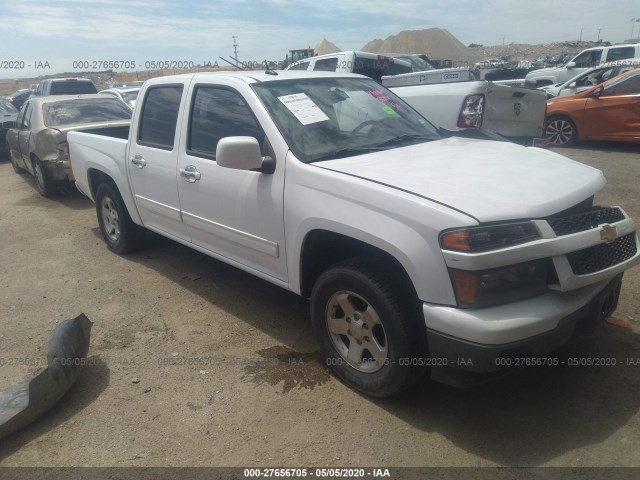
(44, 183)
(560, 131)
(15, 166)
(120, 233)
(379, 321)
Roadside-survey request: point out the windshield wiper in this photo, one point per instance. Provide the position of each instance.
(402, 138)
(344, 152)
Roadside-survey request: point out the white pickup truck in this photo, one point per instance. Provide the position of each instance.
(418, 253)
(449, 98)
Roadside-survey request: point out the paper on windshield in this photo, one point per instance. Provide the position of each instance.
(303, 108)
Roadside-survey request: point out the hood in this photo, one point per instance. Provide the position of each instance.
(488, 180)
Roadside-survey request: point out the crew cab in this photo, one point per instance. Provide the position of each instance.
(416, 251)
(450, 98)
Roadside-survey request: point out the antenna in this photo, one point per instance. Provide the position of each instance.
(235, 48)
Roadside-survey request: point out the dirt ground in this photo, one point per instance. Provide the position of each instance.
(195, 363)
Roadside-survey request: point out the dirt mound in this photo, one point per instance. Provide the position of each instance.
(325, 47)
(436, 43)
(531, 52)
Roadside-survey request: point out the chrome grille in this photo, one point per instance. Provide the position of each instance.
(605, 255)
(585, 220)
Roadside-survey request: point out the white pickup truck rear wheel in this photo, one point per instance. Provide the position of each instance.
(118, 230)
(365, 329)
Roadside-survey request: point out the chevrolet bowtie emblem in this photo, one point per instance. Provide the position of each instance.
(517, 108)
(608, 233)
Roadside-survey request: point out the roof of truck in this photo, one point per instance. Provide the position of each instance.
(258, 75)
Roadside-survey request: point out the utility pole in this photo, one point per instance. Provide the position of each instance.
(580, 34)
(598, 35)
(235, 48)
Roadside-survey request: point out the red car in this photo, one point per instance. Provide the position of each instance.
(609, 111)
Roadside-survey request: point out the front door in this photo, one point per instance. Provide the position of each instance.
(234, 214)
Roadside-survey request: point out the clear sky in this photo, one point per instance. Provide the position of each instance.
(58, 32)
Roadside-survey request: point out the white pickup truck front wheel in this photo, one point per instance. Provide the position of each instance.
(366, 333)
(118, 230)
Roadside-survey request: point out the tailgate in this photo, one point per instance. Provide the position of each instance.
(514, 111)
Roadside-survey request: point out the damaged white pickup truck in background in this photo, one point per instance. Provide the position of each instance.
(415, 250)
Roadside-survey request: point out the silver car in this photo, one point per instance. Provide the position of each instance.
(38, 140)
(593, 76)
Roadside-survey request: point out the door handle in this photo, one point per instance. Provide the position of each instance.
(190, 173)
(138, 161)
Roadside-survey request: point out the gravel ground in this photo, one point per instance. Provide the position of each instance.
(193, 362)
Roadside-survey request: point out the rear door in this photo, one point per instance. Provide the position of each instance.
(153, 157)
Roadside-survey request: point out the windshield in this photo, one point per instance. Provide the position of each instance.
(87, 110)
(6, 108)
(327, 118)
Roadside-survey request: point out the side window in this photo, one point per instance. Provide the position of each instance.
(620, 53)
(300, 66)
(217, 113)
(588, 59)
(326, 65)
(160, 116)
(25, 124)
(630, 86)
(20, 118)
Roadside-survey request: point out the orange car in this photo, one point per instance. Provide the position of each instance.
(609, 111)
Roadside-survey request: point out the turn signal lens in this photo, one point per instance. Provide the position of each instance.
(499, 285)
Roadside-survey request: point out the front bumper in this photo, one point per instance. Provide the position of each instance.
(460, 362)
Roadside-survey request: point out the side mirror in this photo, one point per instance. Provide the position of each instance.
(597, 93)
(243, 153)
(8, 124)
(571, 65)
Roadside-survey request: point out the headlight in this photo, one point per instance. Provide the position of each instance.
(481, 239)
(499, 285)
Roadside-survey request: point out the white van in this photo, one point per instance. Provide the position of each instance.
(586, 59)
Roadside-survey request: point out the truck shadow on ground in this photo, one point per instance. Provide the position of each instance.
(68, 197)
(93, 379)
(536, 414)
(525, 419)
